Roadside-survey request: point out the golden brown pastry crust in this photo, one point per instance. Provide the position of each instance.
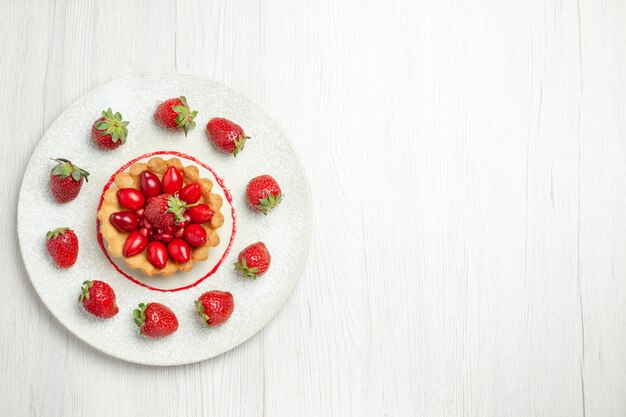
(130, 179)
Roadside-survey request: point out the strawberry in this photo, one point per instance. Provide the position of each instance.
(98, 298)
(109, 131)
(66, 180)
(155, 320)
(215, 307)
(227, 136)
(176, 114)
(165, 210)
(263, 193)
(254, 260)
(62, 245)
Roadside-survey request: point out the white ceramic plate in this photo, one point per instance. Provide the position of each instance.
(286, 230)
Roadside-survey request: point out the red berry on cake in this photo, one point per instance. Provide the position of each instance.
(227, 136)
(253, 261)
(109, 131)
(179, 250)
(62, 245)
(200, 213)
(125, 221)
(195, 235)
(149, 184)
(176, 114)
(263, 193)
(135, 243)
(215, 307)
(191, 193)
(157, 254)
(98, 298)
(66, 179)
(130, 198)
(172, 181)
(165, 210)
(155, 320)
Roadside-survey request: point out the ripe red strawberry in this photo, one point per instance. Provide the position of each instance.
(98, 298)
(176, 114)
(62, 245)
(263, 193)
(254, 260)
(155, 320)
(227, 136)
(165, 210)
(109, 131)
(215, 307)
(66, 180)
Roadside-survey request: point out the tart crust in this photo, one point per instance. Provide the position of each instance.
(130, 179)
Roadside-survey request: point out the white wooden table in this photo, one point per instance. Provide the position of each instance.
(468, 166)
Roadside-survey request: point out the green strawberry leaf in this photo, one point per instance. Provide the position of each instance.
(245, 270)
(84, 293)
(139, 315)
(268, 203)
(239, 144)
(184, 116)
(114, 125)
(65, 168)
(53, 234)
(201, 312)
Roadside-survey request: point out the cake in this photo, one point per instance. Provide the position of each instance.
(122, 218)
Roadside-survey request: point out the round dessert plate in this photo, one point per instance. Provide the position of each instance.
(286, 230)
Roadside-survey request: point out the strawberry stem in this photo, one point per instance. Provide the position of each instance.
(65, 168)
(114, 125)
(177, 207)
(269, 202)
(56, 232)
(201, 312)
(84, 294)
(240, 142)
(245, 270)
(185, 116)
(139, 314)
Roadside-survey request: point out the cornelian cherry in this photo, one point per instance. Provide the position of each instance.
(157, 254)
(195, 235)
(179, 251)
(130, 198)
(135, 244)
(200, 214)
(172, 181)
(191, 193)
(150, 184)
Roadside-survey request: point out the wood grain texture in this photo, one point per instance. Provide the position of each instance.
(467, 161)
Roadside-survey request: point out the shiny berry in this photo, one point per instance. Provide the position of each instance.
(124, 221)
(179, 251)
(172, 181)
(157, 254)
(200, 214)
(191, 193)
(135, 244)
(130, 198)
(150, 184)
(195, 235)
